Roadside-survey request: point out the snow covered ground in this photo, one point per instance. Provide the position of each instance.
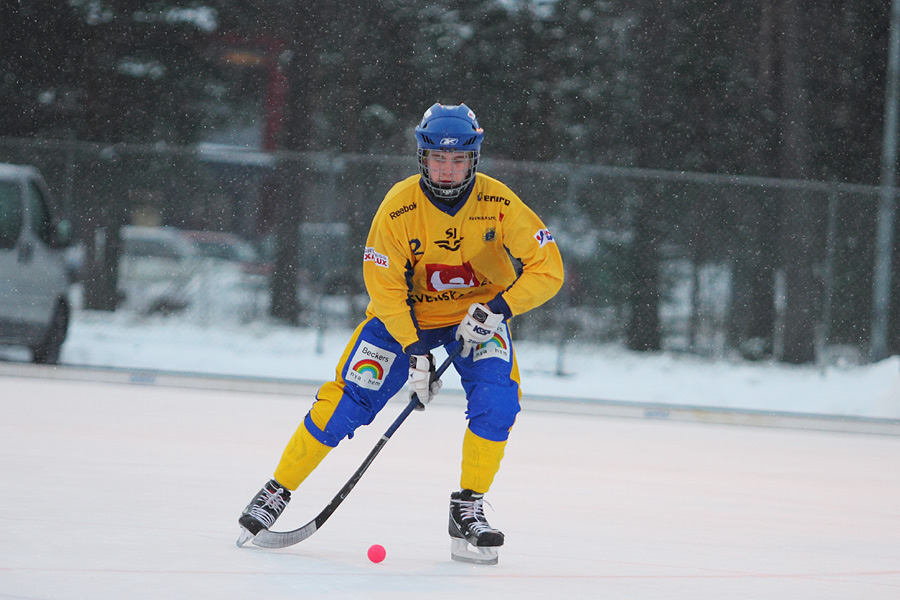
(591, 373)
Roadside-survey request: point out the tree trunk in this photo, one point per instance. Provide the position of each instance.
(643, 330)
(758, 264)
(799, 212)
(285, 304)
(287, 181)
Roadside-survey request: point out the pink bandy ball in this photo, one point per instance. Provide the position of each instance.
(376, 553)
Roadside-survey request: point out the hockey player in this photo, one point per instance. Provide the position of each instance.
(438, 272)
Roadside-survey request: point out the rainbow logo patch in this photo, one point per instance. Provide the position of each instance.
(497, 340)
(369, 366)
(496, 347)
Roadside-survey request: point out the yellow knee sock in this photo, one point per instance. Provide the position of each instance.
(481, 461)
(301, 456)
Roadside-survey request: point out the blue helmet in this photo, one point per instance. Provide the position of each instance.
(450, 129)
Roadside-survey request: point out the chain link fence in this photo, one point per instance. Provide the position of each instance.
(706, 243)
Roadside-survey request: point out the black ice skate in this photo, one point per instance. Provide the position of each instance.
(473, 538)
(262, 511)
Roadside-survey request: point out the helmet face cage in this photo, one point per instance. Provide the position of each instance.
(449, 145)
(445, 163)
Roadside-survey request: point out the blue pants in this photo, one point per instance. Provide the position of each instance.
(374, 368)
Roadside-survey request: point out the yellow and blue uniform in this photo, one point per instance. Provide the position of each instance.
(424, 264)
(444, 259)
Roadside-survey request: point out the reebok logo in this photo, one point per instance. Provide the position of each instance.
(402, 210)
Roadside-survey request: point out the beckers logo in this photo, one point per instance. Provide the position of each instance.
(450, 277)
(369, 366)
(379, 259)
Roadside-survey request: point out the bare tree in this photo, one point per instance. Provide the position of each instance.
(799, 212)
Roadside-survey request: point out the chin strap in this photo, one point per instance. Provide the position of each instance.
(448, 201)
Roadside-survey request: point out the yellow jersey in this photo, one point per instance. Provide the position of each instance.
(424, 265)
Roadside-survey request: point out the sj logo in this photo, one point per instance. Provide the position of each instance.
(450, 277)
(452, 242)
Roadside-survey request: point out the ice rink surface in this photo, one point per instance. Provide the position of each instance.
(114, 491)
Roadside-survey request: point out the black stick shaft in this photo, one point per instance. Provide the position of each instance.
(279, 539)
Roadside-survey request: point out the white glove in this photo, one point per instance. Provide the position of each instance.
(421, 368)
(477, 327)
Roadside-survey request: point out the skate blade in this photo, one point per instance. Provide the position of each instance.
(245, 537)
(462, 551)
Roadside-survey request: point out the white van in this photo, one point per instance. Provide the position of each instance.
(34, 304)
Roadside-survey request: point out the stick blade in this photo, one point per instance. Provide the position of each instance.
(283, 539)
